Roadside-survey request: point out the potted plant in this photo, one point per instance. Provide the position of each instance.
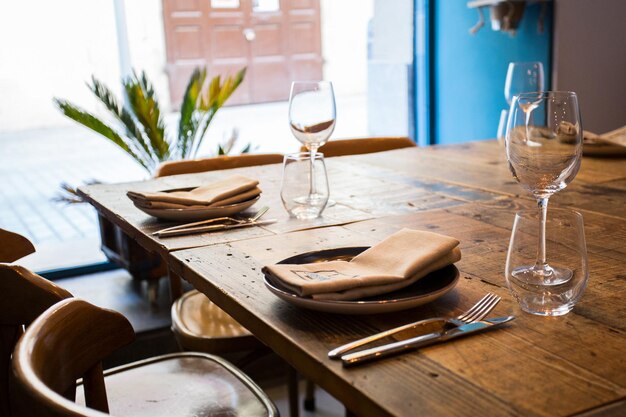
(139, 129)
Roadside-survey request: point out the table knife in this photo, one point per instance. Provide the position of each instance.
(210, 228)
(421, 341)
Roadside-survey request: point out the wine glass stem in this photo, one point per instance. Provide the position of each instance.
(313, 187)
(541, 250)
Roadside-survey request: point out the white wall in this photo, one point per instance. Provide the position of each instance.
(344, 43)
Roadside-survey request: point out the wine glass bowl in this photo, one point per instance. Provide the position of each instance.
(312, 112)
(523, 77)
(543, 148)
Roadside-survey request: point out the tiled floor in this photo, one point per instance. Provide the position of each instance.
(34, 163)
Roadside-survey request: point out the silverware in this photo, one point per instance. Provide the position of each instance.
(366, 355)
(477, 312)
(222, 221)
(212, 228)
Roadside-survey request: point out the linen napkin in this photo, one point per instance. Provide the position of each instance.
(396, 262)
(231, 190)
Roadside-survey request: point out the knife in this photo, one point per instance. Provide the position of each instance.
(210, 228)
(421, 341)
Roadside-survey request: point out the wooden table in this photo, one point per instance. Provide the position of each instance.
(572, 365)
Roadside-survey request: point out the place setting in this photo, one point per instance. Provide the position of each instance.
(546, 265)
(213, 206)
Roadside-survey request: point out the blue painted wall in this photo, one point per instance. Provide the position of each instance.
(468, 71)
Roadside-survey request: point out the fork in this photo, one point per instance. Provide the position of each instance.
(221, 220)
(475, 313)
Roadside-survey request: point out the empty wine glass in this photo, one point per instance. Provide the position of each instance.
(523, 77)
(543, 147)
(312, 118)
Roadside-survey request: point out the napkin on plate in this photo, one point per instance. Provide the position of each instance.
(231, 190)
(396, 262)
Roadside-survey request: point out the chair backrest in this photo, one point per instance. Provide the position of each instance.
(219, 162)
(14, 246)
(67, 342)
(23, 297)
(342, 147)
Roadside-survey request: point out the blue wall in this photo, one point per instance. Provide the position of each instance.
(468, 71)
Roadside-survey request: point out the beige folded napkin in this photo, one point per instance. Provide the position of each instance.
(396, 262)
(219, 193)
(615, 137)
(239, 198)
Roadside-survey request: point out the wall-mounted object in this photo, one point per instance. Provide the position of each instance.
(505, 15)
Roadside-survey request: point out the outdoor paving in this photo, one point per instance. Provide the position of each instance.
(34, 163)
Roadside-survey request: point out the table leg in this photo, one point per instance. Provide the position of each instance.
(176, 285)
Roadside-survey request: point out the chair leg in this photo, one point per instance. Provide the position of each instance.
(309, 396)
(349, 413)
(292, 392)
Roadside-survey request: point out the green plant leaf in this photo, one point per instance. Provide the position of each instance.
(188, 124)
(92, 122)
(102, 92)
(145, 107)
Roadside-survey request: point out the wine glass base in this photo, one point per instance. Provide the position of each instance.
(312, 200)
(542, 275)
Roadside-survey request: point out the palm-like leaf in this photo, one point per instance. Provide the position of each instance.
(140, 129)
(92, 122)
(133, 131)
(142, 101)
(188, 123)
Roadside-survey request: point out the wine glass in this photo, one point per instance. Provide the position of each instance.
(523, 77)
(312, 118)
(543, 146)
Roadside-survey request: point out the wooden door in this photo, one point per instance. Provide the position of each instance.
(278, 40)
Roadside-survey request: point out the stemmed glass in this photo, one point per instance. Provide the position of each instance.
(312, 118)
(543, 147)
(521, 77)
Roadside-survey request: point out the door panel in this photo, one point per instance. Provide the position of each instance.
(278, 40)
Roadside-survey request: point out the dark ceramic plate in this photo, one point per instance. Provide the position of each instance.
(427, 289)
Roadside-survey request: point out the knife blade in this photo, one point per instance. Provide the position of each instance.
(210, 228)
(421, 341)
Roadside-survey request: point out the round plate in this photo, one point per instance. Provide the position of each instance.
(427, 289)
(199, 214)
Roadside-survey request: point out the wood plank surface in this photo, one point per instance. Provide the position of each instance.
(578, 359)
(572, 365)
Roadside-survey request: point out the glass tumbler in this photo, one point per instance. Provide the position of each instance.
(566, 249)
(298, 181)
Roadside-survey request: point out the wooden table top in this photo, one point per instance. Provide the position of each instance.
(572, 365)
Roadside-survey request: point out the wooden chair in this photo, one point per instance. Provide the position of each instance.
(189, 166)
(342, 147)
(14, 246)
(70, 340)
(23, 297)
